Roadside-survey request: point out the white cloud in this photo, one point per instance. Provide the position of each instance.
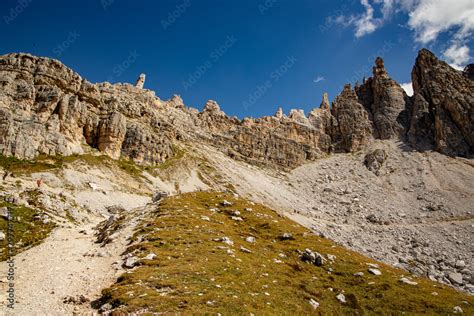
(408, 87)
(428, 19)
(457, 55)
(319, 79)
(366, 23)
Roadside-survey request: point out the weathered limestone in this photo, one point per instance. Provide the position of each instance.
(443, 108)
(140, 81)
(46, 108)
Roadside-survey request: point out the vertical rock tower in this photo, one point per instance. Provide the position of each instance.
(140, 81)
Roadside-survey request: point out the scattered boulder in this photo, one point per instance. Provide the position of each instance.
(105, 308)
(341, 298)
(2, 236)
(312, 257)
(236, 218)
(313, 303)
(243, 249)
(375, 159)
(107, 230)
(407, 281)
(4, 213)
(455, 277)
(250, 239)
(227, 240)
(457, 310)
(287, 236)
(375, 271)
(158, 196)
(130, 262)
(150, 256)
(226, 203)
(76, 300)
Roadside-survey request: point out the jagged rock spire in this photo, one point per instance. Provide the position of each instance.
(325, 102)
(379, 69)
(279, 113)
(140, 81)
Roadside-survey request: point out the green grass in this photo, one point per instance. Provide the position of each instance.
(178, 155)
(48, 163)
(27, 230)
(193, 274)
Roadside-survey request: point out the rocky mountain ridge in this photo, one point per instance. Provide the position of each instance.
(46, 108)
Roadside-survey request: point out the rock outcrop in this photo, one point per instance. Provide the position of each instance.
(386, 100)
(443, 108)
(351, 129)
(140, 81)
(46, 108)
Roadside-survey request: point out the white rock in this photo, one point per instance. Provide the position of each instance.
(94, 186)
(226, 203)
(407, 281)
(341, 298)
(457, 310)
(313, 303)
(250, 239)
(2, 236)
(150, 256)
(4, 212)
(359, 274)
(130, 262)
(243, 249)
(455, 277)
(375, 271)
(236, 218)
(227, 240)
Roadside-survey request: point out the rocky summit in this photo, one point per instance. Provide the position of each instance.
(128, 203)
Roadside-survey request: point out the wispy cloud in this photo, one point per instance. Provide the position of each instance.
(319, 79)
(427, 19)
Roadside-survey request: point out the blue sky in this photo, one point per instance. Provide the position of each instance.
(251, 56)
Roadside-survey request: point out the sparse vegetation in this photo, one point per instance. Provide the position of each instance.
(47, 163)
(28, 228)
(194, 272)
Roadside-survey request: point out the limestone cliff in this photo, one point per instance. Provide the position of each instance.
(46, 108)
(443, 108)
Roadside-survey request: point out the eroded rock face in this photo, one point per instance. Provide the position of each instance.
(46, 108)
(443, 107)
(386, 101)
(351, 129)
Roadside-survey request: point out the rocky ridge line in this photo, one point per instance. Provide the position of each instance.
(46, 108)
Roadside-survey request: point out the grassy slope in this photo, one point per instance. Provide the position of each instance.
(27, 230)
(195, 274)
(47, 163)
